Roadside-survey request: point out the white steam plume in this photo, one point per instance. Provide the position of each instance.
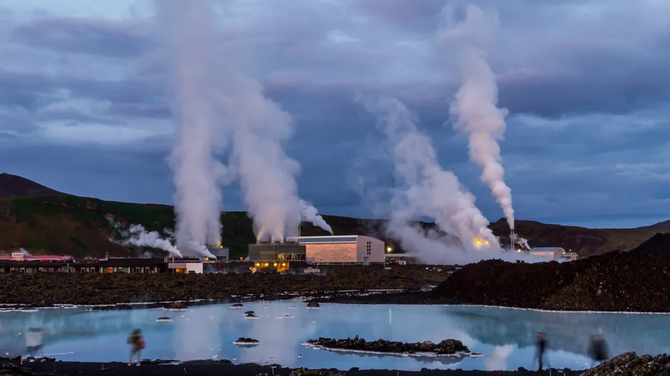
(475, 103)
(257, 124)
(522, 241)
(198, 175)
(428, 190)
(142, 238)
(309, 213)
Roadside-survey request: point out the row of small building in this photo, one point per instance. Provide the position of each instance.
(345, 250)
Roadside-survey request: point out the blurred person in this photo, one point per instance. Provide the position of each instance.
(597, 349)
(33, 341)
(541, 348)
(137, 344)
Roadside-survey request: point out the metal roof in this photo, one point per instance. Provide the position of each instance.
(326, 239)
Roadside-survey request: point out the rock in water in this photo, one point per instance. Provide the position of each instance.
(631, 364)
(446, 347)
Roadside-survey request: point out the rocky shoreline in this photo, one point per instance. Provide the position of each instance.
(449, 347)
(49, 289)
(210, 367)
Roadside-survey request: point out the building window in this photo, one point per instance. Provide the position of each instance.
(369, 248)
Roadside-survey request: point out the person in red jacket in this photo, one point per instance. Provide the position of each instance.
(136, 346)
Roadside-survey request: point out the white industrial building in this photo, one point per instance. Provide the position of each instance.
(552, 253)
(342, 249)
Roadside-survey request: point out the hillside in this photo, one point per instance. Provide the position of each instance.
(47, 221)
(17, 186)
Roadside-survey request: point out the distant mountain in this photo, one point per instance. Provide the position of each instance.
(17, 186)
(45, 221)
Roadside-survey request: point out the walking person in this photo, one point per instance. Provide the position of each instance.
(597, 349)
(33, 341)
(136, 346)
(541, 348)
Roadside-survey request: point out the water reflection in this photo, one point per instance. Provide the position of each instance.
(505, 337)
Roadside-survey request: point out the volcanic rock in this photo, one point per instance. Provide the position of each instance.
(246, 340)
(446, 347)
(631, 364)
(657, 244)
(611, 282)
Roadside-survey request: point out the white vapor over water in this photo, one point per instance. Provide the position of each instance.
(220, 100)
(198, 175)
(310, 214)
(426, 190)
(142, 238)
(475, 103)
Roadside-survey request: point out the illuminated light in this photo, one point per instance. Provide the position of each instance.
(275, 264)
(240, 258)
(426, 268)
(283, 264)
(389, 249)
(266, 264)
(257, 264)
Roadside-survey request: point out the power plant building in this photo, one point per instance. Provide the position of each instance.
(342, 249)
(269, 251)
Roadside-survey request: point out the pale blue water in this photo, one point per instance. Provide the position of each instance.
(505, 337)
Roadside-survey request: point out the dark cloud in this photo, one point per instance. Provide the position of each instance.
(584, 81)
(127, 39)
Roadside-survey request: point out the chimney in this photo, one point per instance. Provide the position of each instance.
(511, 240)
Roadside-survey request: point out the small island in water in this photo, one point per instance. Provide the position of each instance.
(448, 347)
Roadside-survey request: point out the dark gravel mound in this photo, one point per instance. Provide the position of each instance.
(657, 244)
(611, 282)
(631, 364)
(446, 347)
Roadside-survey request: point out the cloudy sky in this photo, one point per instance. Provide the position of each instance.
(84, 105)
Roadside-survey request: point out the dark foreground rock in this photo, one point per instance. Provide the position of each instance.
(611, 282)
(446, 347)
(244, 340)
(631, 364)
(209, 367)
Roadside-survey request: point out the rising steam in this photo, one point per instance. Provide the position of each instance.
(198, 175)
(209, 95)
(475, 103)
(142, 238)
(310, 214)
(426, 190)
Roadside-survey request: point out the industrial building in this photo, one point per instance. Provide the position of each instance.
(275, 251)
(552, 253)
(342, 249)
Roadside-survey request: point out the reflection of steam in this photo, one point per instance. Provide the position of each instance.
(274, 334)
(195, 338)
(497, 361)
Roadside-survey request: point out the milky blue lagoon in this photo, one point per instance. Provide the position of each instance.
(504, 336)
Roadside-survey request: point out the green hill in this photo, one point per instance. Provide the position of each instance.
(56, 223)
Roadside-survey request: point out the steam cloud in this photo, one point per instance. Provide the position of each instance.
(218, 99)
(522, 241)
(427, 190)
(198, 175)
(309, 213)
(475, 103)
(140, 237)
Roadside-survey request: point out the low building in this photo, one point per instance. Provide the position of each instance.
(112, 265)
(186, 266)
(401, 259)
(273, 251)
(20, 256)
(342, 249)
(221, 253)
(552, 253)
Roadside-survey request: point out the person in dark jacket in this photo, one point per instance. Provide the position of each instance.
(597, 349)
(541, 346)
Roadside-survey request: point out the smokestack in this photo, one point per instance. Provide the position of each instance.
(511, 240)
